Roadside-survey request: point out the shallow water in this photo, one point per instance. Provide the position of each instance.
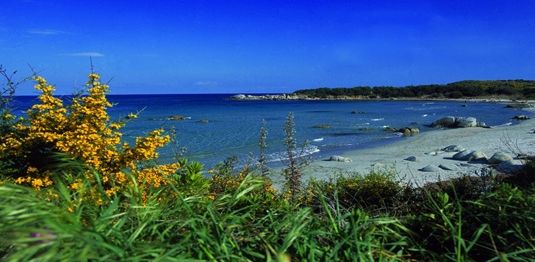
(232, 127)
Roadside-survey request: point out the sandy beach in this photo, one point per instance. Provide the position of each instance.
(427, 149)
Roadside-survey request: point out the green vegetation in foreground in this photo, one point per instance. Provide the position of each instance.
(515, 89)
(350, 219)
(71, 212)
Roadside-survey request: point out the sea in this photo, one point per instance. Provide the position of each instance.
(215, 127)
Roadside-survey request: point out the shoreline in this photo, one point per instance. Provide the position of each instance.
(294, 97)
(426, 147)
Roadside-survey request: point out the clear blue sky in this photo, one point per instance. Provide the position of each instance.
(266, 46)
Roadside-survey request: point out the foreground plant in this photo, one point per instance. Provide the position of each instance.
(83, 130)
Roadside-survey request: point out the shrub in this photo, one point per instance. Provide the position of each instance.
(226, 178)
(377, 191)
(84, 131)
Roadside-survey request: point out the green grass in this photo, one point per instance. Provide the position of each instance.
(243, 224)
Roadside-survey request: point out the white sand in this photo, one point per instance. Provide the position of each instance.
(510, 139)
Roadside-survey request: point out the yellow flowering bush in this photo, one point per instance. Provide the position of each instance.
(83, 130)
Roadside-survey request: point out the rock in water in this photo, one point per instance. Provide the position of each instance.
(521, 117)
(390, 129)
(463, 155)
(430, 168)
(411, 158)
(448, 121)
(499, 157)
(453, 148)
(465, 122)
(409, 131)
(322, 126)
(340, 159)
(177, 118)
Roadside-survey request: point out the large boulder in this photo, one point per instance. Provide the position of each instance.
(457, 122)
(465, 122)
(500, 157)
(448, 121)
(477, 156)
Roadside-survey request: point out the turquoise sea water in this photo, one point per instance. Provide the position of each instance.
(233, 126)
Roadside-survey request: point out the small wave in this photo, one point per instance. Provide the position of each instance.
(425, 108)
(424, 115)
(377, 119)
(506, 124)
(281, 156)
(317, 139)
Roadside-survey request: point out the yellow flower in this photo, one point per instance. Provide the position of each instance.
(83, 130)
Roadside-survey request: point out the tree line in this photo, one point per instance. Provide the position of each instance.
(517, 89)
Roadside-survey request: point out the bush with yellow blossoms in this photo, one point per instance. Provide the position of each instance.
(83, 130)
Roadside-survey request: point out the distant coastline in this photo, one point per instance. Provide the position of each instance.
(291, 96)
(475, 91)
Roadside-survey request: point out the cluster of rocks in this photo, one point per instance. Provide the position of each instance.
(457, 122)
(501, 161)
(405, 131)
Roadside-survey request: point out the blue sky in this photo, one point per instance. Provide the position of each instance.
(266, 46)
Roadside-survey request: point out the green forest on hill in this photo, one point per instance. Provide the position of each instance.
(516, 89)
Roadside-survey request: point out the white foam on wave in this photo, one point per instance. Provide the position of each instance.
(424, 115)
(377, 119)
(281, 156)
(506, 124)
(317, 139)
